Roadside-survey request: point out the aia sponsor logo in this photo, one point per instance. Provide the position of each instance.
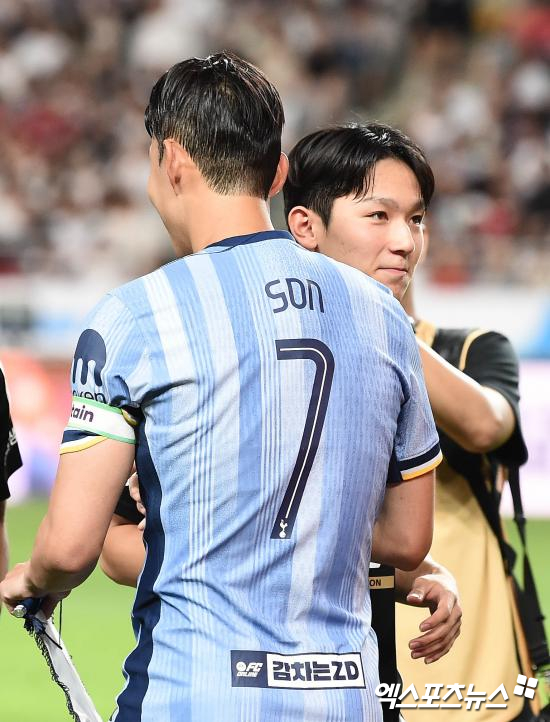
(90, 348)
(89, 395)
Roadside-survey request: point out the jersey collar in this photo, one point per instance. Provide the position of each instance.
(251, 238)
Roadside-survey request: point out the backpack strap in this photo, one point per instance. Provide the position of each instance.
(531, 614)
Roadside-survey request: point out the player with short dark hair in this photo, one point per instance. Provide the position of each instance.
(235, 144)
(359, 193)
(265, 390)
(315, 165)
(472, 381)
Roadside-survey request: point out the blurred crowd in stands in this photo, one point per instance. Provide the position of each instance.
(469, 80)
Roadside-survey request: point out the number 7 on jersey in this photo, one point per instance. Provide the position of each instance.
(321, 355)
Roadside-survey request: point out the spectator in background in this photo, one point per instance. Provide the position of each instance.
(429, 65)
(10, 461)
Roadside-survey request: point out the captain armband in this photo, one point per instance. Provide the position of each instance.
(91, 422)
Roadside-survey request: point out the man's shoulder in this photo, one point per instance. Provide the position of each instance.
(135, 293)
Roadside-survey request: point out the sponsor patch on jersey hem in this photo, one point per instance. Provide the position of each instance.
(313, 670)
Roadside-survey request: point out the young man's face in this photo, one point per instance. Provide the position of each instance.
(380, 234)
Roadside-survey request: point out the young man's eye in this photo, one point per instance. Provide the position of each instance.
(378, 215)
(418, 220)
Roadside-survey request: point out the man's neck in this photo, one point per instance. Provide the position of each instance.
(408, 303)
(213, 220)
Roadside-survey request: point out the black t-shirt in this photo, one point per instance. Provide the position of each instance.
(492, 362)
(10, 459)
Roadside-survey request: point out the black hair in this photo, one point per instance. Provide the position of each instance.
(340, 161)
(227, 116)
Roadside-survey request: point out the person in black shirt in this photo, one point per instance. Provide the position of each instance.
(472, 380)
(10, 461)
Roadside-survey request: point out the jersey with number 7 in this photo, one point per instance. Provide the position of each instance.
(266, 388)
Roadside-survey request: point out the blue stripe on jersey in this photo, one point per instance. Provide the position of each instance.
(146, 612)
(233, 283)
(344, 562)
(202, 483)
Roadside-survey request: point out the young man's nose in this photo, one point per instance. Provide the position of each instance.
(402, 240)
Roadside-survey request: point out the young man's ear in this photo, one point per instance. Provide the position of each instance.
(302, 225)
(280, 176)
(178, 162)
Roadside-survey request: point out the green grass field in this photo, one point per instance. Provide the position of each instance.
(97, 631)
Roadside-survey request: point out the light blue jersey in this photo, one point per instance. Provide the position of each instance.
(267, 388)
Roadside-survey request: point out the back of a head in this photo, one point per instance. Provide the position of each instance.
(340, 161)
(228, 117)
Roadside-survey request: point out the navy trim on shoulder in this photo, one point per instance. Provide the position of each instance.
(251, 238)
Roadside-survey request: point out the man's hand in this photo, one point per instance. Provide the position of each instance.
(438, 592)
(133, 486)
(17, 586)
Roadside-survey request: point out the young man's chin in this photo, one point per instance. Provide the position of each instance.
(396, 281)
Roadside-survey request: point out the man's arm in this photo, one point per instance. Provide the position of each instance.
(476, 417)
(403, 531)
(123, 552)
(71, 535)
(431, 585)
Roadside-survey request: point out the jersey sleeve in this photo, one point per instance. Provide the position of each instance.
(492, 362)
(10, 458)
(109, 374)
(416, 448)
